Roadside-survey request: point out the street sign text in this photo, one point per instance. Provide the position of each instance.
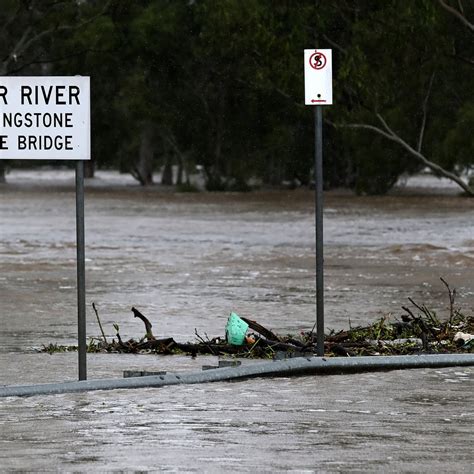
(45, 118)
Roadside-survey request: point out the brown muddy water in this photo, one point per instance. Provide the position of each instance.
(186, 261)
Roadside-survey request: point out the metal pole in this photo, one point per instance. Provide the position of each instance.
(318, 180)
(288, 367)
(81, 278)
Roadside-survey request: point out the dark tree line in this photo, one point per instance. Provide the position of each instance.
(220, 84)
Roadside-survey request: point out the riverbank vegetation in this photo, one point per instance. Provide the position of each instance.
(219, 85)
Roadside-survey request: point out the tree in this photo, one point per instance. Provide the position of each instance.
(32, 33)
(220, 84)
(407, 92)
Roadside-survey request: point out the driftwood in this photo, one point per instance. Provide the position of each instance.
(98, 321)
(169, 346)
(261, 330)
(148, 332)
(419, 331)
(268, 342)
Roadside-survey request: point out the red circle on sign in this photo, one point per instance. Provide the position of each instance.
(317, 60)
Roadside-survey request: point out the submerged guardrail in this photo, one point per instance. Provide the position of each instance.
(289, 367)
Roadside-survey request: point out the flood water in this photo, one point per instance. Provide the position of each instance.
(186, 261)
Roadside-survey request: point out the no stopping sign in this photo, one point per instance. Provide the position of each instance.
(318, 76)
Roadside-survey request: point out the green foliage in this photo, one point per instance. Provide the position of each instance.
(221, 83)
(458, 144)
(187, 188)
(53, 348)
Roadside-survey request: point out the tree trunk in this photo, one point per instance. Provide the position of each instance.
(143, 170)
(167, 175)
(219, 137)
(179, 178)
(2, 173)
(180, 157)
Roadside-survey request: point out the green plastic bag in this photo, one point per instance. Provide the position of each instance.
(235, 330)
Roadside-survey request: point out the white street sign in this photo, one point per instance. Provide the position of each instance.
(45, 118)
(318, 76)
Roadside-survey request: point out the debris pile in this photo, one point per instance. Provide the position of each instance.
(419, 330)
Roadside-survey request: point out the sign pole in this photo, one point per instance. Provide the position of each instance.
(318, 92)
(81, 278)
(318, 180)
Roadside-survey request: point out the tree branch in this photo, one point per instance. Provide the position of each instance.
(364, 126)
(148, 332)
(384, 123)
(391, 135)
(58, 59)
(25, 43)
(64, 28)
(14, 53)
(425, 110)
(458, 14)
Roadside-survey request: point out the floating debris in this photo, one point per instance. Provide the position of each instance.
(420, 330)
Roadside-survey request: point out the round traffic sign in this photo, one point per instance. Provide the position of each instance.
(317, 60)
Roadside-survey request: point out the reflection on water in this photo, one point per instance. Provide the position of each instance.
(186, 261)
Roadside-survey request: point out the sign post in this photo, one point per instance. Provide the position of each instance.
(318, 92)
(81, 272)
(48, 118)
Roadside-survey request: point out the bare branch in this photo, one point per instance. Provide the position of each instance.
(391, 135)
(364, 126)
(459, 14)
(15, 51)
(148, 332)
(384, 123)
(100, 323)
(425, 110)
(57, 59)
(63, 28)
(25, 42)
(452, 296)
